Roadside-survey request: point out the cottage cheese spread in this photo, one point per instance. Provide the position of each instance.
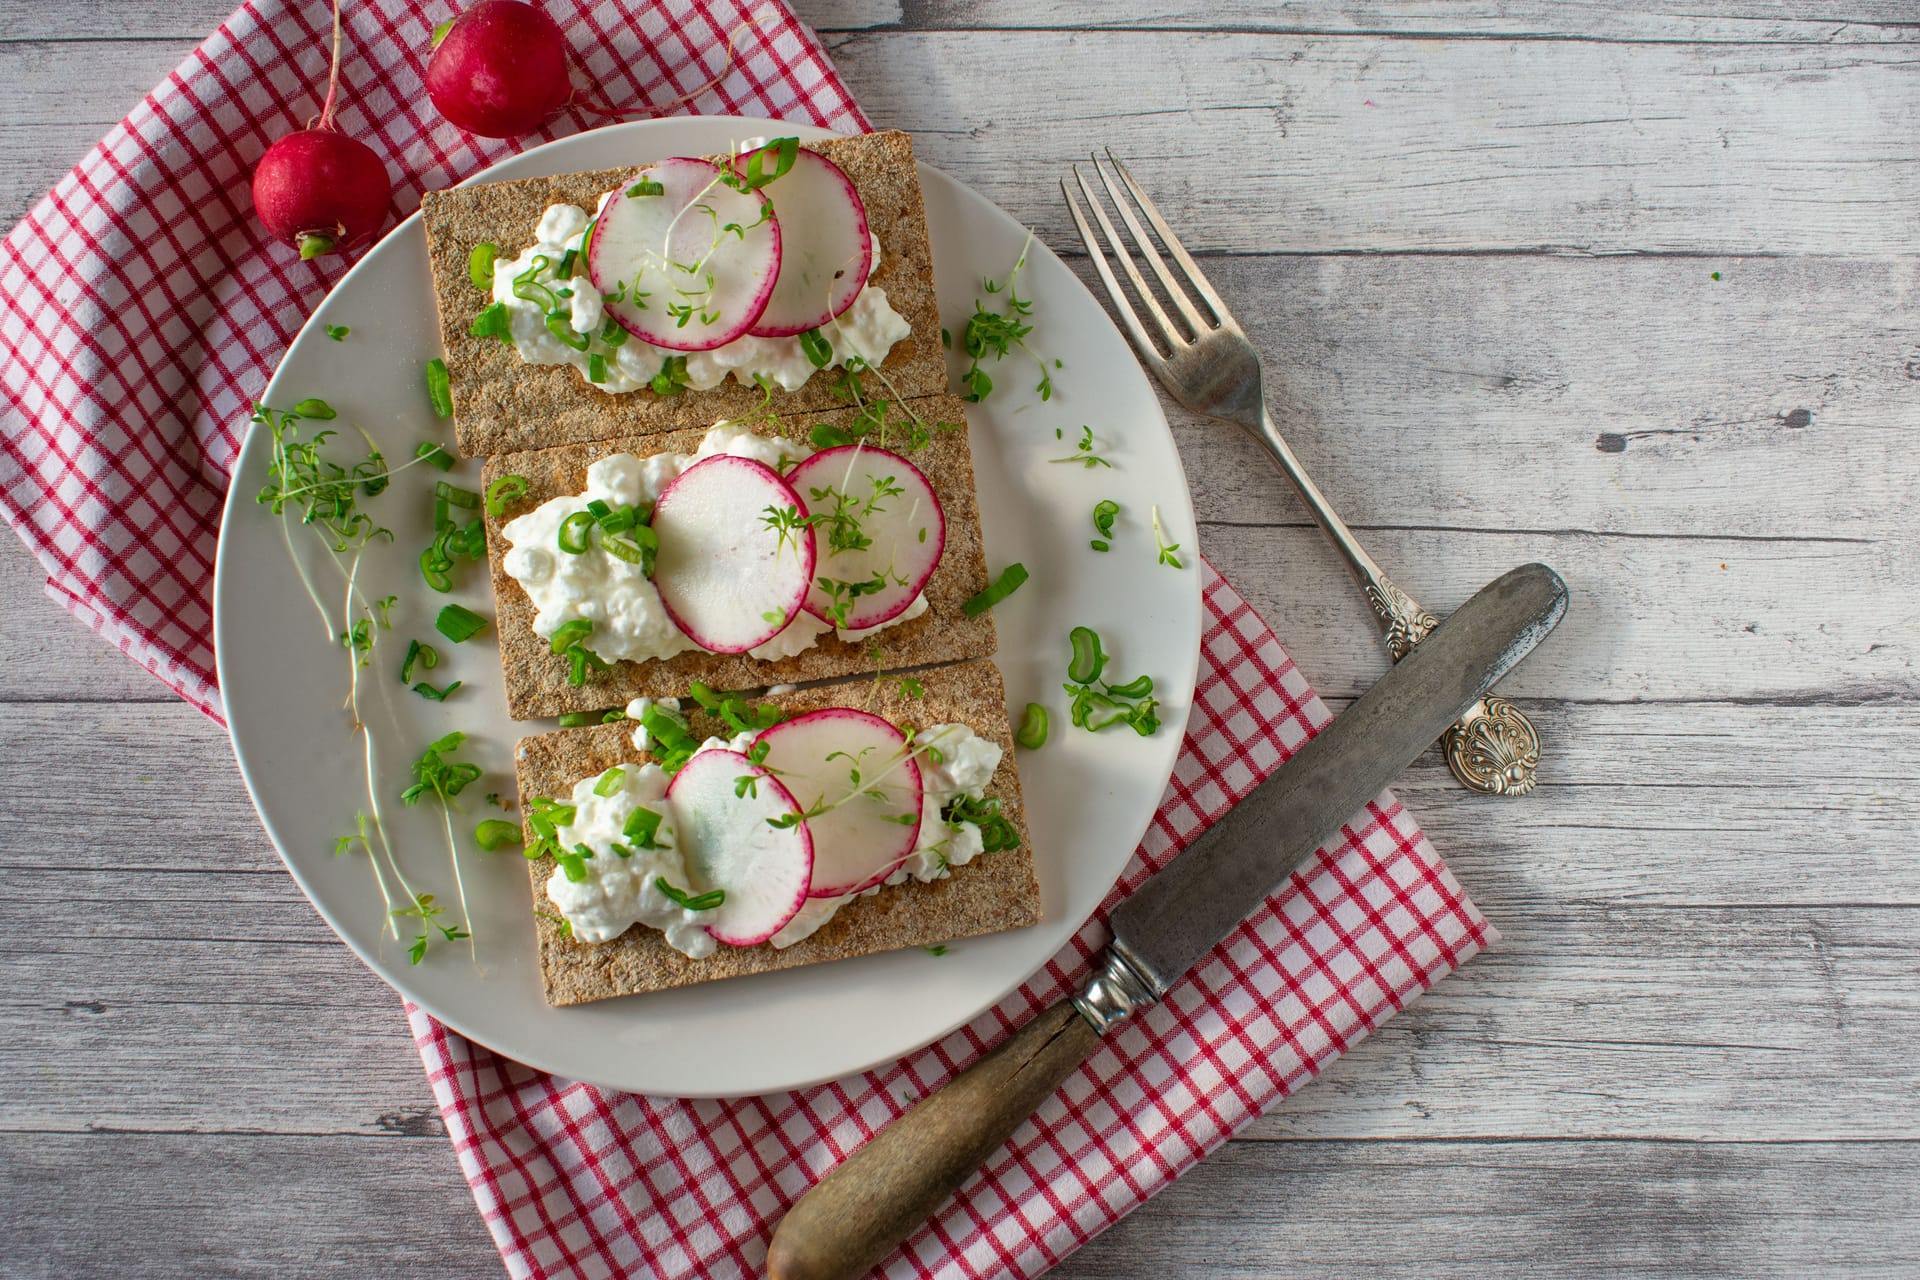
(621, 889)
(867, 329)
(619, 892)
(615, 595)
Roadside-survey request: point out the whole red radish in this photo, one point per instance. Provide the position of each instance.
(499, 69)
(319, 190)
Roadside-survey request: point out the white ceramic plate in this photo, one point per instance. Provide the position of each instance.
(1089, 798)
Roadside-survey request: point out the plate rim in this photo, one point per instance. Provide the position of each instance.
(234, 503)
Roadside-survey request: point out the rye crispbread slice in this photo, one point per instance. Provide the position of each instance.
(536, 679)
(502, 403)
(995, 891)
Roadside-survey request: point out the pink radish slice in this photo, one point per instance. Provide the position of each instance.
(647, 243)
(825, 249)
(729, 844)
(861, 842)
(727, 579)
(886, 499)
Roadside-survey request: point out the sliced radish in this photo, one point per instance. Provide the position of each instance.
(731, 844)
(690, 283)
(859, 765)
(825, 251)
(885, 502)
(728, 579)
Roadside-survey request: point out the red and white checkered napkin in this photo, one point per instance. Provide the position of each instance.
(142, 309)
(575, 1182)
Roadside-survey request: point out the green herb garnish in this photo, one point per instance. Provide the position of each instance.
(1088, 660)
(672, 378)
(642, 826)
(996, 334)
(439, 387)
(480, 265)
(493, 322)
(999, 589)
(1033, 728)
(438, 776)
(425, 909)
(1166, 548)
(1104, 512)
(1098, 704)
(496, 833)
(647, 187)
(434, 456)
(818, 350)
(503, 493)
(705, 902)
(338, 332)
(1083, 453)
(459, 623)
(609, 782)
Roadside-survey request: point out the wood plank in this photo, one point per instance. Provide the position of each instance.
(181, 983)
(165, 1205)
(1668, 21)
(1378, 145)
(1651, 619)
(1620, 395)
(1598, 1210)
(46, 655)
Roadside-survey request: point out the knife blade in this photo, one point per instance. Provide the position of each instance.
(880, 1193)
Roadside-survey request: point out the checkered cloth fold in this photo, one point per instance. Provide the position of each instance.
(144, 307)
(576, 1182)
(143, 313)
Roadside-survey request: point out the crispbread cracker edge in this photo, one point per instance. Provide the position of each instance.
(994, 892)
(501, 403)
(536, 679)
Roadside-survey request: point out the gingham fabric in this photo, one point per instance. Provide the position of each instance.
(575, 1182)
(144, 308)
(144, 312)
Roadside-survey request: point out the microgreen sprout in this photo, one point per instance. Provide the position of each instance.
(1083, 453)
(996, 334)
(338, 332)
(1166, 549)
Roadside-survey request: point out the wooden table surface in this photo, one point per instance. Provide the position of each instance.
(1624, 286)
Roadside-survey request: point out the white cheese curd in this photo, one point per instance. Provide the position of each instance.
(966, 764)
(868, 328)
(629, 621)
(620, 892)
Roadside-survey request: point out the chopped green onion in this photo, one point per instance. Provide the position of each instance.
(1033, 728)
(459, 623)
(1005, 585)
(612, 333)
(1139, 687)
(567, 260)
(433, 567)
(575, 530)
(497, 833)
(1088, 660)
(705, 902)
(493, 322)
(561, 327)
(647, 187)
(578, 719)
(569, 634)
(1100, 544)
(435, 456)
(432, 694)
(609, 782)
(459, 497)
(425, 654)
(596, 368)
(439, 387)
(783, 151)
(818, 350)
(338, 332)
(643, 824)
(503, 493)
(573, 867)
(637, 545)
(480, 265)
(1104, 512)
(527, 286)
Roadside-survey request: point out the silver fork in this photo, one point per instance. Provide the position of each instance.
(1210, 367)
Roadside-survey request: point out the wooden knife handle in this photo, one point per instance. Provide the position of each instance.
(880, 1193)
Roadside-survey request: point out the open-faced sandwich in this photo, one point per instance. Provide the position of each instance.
(711, 837)
(749, 554)
(680, 293)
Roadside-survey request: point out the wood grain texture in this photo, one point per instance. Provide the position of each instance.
(1488, 307)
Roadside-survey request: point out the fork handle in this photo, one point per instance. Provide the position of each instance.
(1494, 747)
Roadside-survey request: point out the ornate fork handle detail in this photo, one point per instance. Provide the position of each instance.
(1493, 748)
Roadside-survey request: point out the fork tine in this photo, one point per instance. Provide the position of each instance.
(1149, 351)
(1147, 251)
(1168, 331)
(1179, 251)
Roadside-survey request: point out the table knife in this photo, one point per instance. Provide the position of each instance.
(880, 1193)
